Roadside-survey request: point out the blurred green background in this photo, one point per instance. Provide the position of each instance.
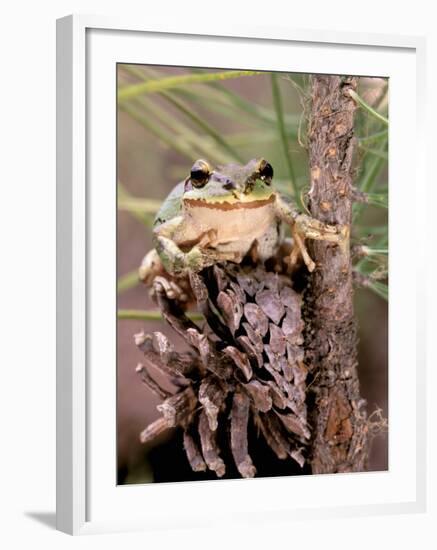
(167, 118)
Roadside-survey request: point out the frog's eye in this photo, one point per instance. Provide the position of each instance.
(200, 172)
(265, 171)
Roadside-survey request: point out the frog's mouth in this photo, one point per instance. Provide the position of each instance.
(225, 205)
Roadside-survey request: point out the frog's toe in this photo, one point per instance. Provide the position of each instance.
(150, 267)
(229, 257)
(311, 228)
(170, 289)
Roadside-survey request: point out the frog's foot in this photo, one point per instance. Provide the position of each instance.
(311, 228)
(177, 262)
(199, 258)
(306, 227)
(162, 285)
(222, 256)
(150, 267)
(208, 239)
(152, 271)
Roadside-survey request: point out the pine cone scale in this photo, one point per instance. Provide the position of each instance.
(246, 368)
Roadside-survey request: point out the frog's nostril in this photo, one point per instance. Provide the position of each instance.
(229, 184)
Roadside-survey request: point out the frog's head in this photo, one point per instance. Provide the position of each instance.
(229, 185)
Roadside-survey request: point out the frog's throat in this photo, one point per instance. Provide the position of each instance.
(227, 205)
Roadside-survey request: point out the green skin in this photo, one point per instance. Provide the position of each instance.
(235, 210)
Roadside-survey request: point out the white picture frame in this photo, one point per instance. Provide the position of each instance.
(81, 443)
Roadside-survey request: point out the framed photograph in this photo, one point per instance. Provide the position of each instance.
(233, 303)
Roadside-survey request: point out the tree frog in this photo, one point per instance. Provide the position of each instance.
(221, 213)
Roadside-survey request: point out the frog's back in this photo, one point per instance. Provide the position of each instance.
(171, 206)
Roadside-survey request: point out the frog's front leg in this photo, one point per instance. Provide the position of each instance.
(176, 261)
(305, 227)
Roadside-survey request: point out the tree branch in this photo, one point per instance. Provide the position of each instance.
(338, 418)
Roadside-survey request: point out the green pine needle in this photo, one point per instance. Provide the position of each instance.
(367, 107)
(150, 315)
(158, 85)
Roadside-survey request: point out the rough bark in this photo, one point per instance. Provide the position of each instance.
(338, 417)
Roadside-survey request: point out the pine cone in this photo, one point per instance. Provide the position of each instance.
(245, 365)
